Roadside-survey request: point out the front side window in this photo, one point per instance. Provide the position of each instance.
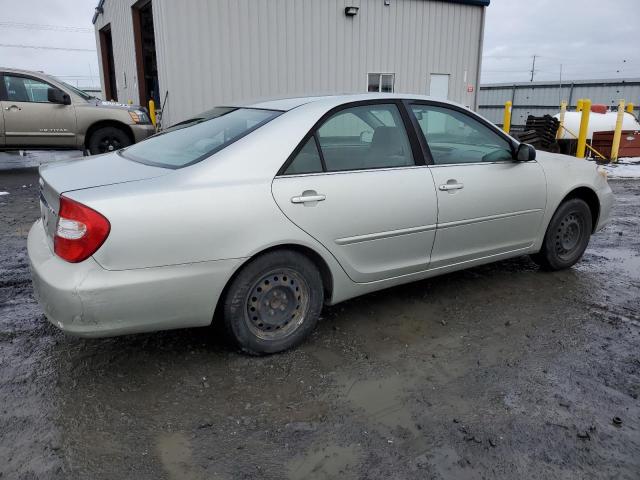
(193, 140)
(365, 137)
(23, 89)
(381, 82)
(454, 137)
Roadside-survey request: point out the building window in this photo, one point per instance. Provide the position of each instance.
(381, 82)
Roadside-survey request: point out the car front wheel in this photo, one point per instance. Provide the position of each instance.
(567, 236)
(108, 139)
(274, 302)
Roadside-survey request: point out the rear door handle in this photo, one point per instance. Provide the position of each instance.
(12, 107)
(308, 198)
(451, 186)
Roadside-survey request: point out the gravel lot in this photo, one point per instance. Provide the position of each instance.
(501, 371)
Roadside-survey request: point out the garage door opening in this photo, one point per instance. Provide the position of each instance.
(108, 64)
(145, 45)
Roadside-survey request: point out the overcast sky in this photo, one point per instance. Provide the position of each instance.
(590, 38)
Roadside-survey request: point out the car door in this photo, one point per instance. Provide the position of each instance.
(488, 204)
(30, 120)
(354, 185)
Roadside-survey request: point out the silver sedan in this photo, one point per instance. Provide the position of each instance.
(260, 215)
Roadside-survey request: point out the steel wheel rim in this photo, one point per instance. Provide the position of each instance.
(569, 235)
(277, 304)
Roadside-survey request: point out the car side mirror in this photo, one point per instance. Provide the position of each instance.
(525, 153)
(58, 96)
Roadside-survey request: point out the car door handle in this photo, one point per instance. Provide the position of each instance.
(12, 107)
(308, 198)
(451, 186)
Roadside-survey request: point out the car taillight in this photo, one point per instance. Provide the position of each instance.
(80, 231)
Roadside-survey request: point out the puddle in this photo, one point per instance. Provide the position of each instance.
(625, 259)
(383, 402)
(331, 462)
(174, 451)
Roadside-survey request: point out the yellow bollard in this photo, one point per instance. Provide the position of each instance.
(152, 112)
(563, 110)
(584, 128)
(506, 122)
(630, 107)
(579, 104)
(615, 146)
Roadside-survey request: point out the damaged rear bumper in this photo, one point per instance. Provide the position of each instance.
(86, 300)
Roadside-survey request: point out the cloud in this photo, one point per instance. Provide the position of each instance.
(76, 67)
(590, 38)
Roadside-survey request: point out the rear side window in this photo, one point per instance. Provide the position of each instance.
(365, 137)
(193, 141)
(307, 160)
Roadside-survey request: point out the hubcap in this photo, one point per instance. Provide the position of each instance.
(109, 144)
(568, 235)
(277, 304)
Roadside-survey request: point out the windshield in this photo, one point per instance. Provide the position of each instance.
(75, 90)
(193, 140)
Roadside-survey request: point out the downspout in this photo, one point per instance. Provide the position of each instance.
(480, 47)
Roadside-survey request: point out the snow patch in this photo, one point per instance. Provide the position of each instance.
(625, 168)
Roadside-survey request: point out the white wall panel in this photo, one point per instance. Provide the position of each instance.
(216, 52)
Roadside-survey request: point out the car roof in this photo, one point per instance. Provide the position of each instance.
(25, 72)
(286, 104)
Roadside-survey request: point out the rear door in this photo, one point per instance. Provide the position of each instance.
(30, 120)
(488, 204)
(354, 185)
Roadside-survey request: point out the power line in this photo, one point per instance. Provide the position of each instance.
(39, 26)
(43, 47)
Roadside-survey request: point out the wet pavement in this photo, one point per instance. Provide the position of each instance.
(501, 371)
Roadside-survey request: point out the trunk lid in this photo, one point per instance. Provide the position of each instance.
(109, 169)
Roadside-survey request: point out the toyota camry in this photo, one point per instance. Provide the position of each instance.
(259, 215)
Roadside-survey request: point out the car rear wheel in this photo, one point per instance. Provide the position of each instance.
(108, 139)
(274, 303)
(567, 236)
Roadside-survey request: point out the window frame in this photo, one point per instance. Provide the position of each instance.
(380, 75)
(3, 92)
(425, 144)
(4, 95)
(407, 122)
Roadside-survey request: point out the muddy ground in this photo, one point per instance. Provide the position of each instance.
(500, 372)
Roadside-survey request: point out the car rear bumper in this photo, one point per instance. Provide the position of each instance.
(140, 132)
(86, 300)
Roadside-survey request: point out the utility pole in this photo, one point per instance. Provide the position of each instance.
(560, 89)
(533, 67)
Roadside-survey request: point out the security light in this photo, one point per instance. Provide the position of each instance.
(351, 11)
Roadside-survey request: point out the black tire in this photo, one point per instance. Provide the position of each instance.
(567, 236)
(273, 303)
(108, 139)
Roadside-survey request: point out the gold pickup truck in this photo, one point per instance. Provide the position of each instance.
(40, 112)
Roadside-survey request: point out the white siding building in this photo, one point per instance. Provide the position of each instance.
(193, 55)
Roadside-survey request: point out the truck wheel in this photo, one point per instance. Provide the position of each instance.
(274, 303)
(108, 139)
(567, 236)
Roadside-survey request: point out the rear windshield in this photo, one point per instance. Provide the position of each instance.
(193, 140)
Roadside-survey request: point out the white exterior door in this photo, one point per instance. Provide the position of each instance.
(439, 86)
